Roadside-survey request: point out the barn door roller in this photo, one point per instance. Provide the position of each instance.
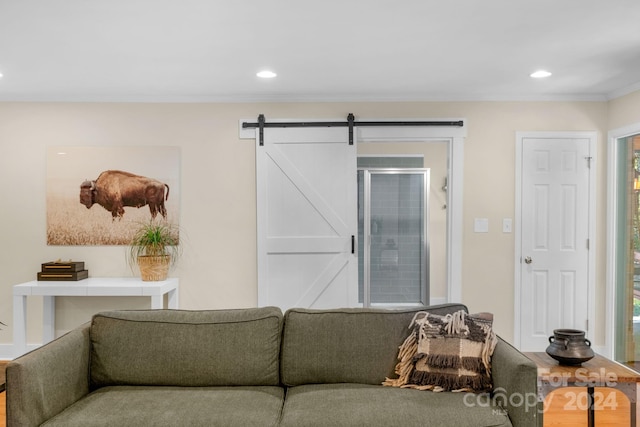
(350, 120)
(261, 124)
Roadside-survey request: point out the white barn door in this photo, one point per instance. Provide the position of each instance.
(306, 217)
(556, 213)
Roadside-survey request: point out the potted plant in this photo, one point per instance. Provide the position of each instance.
(154, 248)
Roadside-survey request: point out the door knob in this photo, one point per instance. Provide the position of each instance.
(528, 260)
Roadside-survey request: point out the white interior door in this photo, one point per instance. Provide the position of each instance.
(554, 265)
(307, 215)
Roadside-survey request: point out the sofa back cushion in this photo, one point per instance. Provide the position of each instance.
(345, 345)
(186, 348)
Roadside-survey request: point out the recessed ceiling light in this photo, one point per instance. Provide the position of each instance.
(540, 74)
(266, 74)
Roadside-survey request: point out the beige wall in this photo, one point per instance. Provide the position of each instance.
(218, 269)
(624, 111)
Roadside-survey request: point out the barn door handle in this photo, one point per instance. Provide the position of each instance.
(528, 260)
(353, 244)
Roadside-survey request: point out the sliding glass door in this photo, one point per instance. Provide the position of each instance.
(627, 249)
(393, 237)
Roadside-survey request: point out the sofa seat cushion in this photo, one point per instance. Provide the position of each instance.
(174, 406)
(371, 405)
(186, 348)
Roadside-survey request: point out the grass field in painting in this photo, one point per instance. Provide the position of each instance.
(70, 223)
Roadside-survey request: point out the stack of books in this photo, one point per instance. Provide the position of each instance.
(63, 271)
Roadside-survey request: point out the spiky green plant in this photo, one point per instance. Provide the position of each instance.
(154, 238)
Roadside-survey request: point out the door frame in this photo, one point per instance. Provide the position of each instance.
(517, 261)
(613, 146)
(454, 136)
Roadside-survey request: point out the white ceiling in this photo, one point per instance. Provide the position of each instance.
(322, 50)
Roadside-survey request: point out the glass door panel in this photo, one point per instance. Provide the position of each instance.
(393, 236)
(627, 304)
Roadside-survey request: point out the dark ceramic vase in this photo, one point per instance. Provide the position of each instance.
(569, 347)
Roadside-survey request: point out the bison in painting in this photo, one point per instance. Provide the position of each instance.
(113, 190)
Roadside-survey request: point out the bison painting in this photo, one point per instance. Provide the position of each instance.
(113, 190)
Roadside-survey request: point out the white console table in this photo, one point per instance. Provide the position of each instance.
(91, 287)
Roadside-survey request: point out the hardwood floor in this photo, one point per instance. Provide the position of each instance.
(3, 410)
(3, 404)
(633, 365)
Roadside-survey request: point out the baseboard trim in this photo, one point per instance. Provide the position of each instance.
(437, 300)
(602, 350)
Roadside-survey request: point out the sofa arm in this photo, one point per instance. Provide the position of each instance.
(42, 383)
(515, 384)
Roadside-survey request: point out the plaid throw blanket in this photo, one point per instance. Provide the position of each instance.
(447, 353)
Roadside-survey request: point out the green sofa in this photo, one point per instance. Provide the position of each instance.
(250, 367)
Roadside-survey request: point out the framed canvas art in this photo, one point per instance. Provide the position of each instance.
(100, 195)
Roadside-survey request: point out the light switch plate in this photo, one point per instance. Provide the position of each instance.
(481, 225)
(507, 225)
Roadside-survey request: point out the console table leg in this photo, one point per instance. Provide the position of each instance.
(157, 302)
(19, 325)
(48, 319)
(172, 299)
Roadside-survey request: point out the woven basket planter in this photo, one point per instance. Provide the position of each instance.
(154, 268)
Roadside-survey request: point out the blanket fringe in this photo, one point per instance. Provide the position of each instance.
(455, 323)
(404, 367)
(451, 382)
(487, 350)
(407, 352)
(442, 360)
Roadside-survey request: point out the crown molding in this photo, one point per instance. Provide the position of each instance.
(311, 98)
(618, 93)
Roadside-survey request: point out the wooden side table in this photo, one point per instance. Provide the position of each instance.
(597, 372)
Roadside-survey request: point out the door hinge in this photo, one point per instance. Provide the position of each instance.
(588, 244)
(586, 326)
(588, 159)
